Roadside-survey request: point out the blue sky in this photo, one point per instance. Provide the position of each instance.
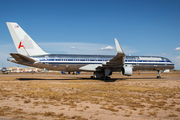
(143, 27)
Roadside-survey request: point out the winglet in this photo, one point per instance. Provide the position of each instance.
(118, 47)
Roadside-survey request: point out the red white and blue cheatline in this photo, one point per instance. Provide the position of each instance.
(16, 26)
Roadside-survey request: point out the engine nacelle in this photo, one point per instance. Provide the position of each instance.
(127, 70)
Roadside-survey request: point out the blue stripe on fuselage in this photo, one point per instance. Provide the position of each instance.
(82, 60)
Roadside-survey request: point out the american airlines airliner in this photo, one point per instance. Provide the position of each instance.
(30, 54)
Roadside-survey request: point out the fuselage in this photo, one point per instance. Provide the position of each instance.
(71, 62)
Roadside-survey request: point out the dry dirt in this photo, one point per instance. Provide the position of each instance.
(52, 96)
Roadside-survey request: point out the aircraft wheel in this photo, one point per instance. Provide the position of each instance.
(108, 78)
(92, 77)
(158, 77)
(102, 78)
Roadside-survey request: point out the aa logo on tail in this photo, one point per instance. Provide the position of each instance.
(26, 42)
(20, 45)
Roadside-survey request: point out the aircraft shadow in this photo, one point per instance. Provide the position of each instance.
(110, 80)
(29, 79)
(140, 78)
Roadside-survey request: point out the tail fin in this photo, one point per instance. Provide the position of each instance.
(24, 44)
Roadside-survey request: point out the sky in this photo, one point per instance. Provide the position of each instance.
(142, 27)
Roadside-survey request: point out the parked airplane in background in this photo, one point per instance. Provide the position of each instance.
(4, 70)
(30, 54)
(77, 72)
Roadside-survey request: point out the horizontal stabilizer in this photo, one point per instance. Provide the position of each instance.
(21, 58)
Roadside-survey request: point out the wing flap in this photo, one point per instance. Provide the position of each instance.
(90, 67)
(116, 63)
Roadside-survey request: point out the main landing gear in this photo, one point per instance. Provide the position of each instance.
(103, 75)
(101, 78)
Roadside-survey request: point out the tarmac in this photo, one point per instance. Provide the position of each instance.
(44, 96)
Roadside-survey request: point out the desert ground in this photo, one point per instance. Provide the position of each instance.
(53, 96)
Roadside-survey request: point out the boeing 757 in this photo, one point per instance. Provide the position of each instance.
(30, 54)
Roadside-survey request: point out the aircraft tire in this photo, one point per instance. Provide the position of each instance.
(158, 77)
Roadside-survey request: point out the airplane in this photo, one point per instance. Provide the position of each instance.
(30, 54)
(4, 70)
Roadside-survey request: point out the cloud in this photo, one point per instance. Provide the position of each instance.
(178, 57)
(178, 48)
(73, 47)
(107, 48)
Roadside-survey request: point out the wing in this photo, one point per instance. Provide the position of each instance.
(116, 63)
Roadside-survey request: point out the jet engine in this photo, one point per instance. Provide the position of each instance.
(127, 70)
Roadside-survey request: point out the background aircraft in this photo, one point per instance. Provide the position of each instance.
(4, 70)
(30, 54)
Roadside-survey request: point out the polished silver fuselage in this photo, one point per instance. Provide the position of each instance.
(71, 63)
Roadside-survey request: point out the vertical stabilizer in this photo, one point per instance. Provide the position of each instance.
(24, 44)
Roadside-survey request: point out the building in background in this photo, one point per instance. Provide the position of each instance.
(20, 69)
(27, 69)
